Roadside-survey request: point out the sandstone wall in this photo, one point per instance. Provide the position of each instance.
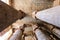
(56, 3)
(28, 6)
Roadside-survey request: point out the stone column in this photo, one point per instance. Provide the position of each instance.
(17, 35)
(40, 35)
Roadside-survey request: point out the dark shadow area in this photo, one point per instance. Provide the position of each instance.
(8, 15)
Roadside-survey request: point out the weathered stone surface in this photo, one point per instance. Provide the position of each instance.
(28, 31)
(56, 3)
(51, 16)
(28, 6)
(8, 15)
(30, 38)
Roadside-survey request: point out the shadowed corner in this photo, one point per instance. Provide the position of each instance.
(8, 15)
